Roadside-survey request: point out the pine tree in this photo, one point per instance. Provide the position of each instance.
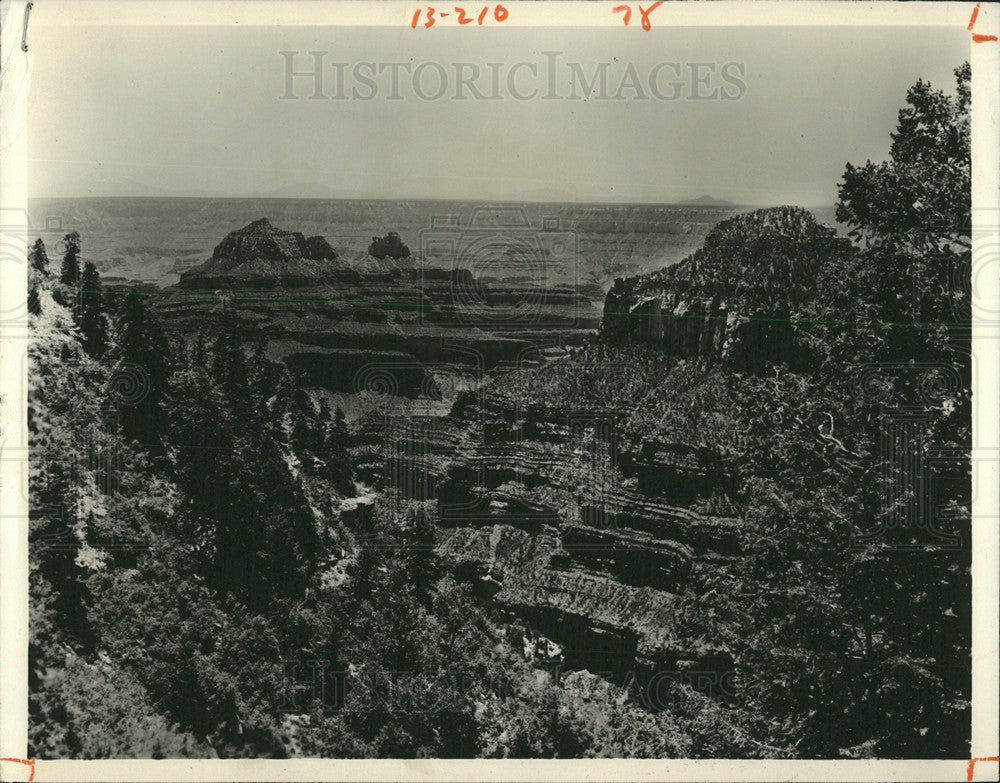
(333, 448)
(230, 367)
(38, 273)
(342, 460)
(421, 560)
(141, 357)
(91, 312)
(913, 212)
(70, 272)
(259, 377)
(255, 532)
(38, 258)
(67, 293)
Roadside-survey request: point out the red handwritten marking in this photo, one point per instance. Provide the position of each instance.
(31, 764)
(972, 762)
(627, 11)
(645, 14)
(978, 37)
(975, 13)
(432, 15)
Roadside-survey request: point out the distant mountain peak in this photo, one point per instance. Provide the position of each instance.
(706, 201)
(304, 190)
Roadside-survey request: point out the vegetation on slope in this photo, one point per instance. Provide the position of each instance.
(194, 592)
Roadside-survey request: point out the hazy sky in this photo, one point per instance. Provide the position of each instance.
(187, 110)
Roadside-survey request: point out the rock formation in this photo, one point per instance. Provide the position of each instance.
(736, 300)
(262, 256)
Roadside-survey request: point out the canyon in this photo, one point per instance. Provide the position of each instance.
(517, 409)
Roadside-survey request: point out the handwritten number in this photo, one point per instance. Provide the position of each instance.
(627, 11)
(645, 14)
(433, 16)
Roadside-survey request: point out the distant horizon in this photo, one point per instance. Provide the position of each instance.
(692, 202)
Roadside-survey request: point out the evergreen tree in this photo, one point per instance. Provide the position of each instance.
(38, 274)
(91, 313)
(38, 258)
(259, 378)
(838, 559)
(307, 430)
(230, 367)
(914, 214)
(421, 561)
(141, 359)
(335, 449)
(69, 274)
(908, 581)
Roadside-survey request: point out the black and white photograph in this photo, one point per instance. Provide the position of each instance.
(409, 382)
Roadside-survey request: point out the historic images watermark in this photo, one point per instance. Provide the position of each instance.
(312, 75)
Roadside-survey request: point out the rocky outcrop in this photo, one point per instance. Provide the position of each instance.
(317, 248)
(602, 623)
(736, 300)
(693, 327)
(261, 241)
(262, 256)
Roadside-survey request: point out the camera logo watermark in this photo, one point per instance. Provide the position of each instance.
(499, 270)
